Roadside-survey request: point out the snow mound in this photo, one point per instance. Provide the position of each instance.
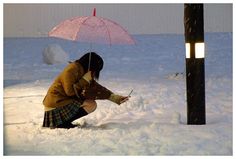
(152, 122)
(54, 54)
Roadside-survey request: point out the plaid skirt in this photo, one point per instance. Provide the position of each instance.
(60, 115)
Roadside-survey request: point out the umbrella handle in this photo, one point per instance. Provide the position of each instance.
(89, 61)
(90, 54)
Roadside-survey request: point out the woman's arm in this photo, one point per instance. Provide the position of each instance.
(96, 91)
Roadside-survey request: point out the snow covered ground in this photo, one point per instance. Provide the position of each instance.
(152, 122)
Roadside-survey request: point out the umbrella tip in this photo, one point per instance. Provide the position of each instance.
(94, 11)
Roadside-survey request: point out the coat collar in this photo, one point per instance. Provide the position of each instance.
(80, 67)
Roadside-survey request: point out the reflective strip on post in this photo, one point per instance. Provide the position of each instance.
(187, 47)
(199, 50)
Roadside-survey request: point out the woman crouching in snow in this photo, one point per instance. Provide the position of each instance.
(73, 93)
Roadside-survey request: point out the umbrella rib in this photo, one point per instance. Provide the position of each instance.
(59, 25)
(82, 24)
(56, 28)
(85, 20)
(124, 31)
(106, 29)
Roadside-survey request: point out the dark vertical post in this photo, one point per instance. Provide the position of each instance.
(195, 71)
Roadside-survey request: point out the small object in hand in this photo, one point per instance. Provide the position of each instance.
(127, 97)
(130, 93)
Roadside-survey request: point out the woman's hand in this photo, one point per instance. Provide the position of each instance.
(118, 99)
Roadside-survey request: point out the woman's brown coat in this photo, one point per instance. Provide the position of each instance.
(62, 91)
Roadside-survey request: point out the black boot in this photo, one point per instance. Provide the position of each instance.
(68, 124)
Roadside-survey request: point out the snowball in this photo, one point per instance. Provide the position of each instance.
(54, 54)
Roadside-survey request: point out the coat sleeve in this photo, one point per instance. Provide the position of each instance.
(96, 91)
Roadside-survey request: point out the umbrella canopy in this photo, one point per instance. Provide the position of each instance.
(92, 29)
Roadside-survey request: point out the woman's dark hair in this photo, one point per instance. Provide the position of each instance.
(96, 63)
